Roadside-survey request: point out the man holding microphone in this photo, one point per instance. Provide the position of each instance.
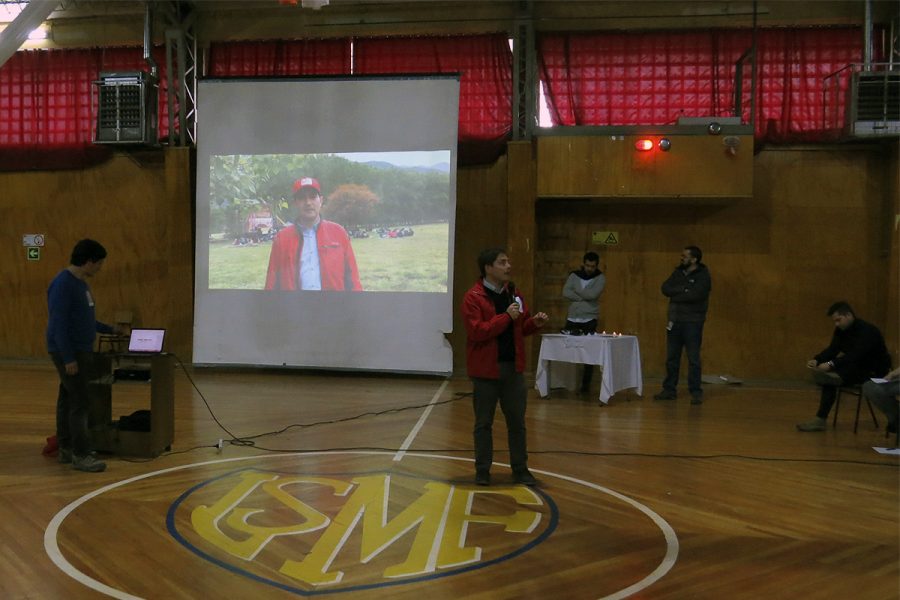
(496, 320)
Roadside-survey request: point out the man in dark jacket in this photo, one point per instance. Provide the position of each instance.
(856, 353)
(496, 320)
(687, 289)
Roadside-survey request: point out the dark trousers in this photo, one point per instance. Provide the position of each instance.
(688, 336)
(509, 389)
(826, 401)
(585, 328)
(829, 392)
(72, 404)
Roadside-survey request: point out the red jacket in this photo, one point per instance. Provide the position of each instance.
(337, 263)
(484, 325)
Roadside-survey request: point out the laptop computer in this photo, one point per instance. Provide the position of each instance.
(146, 341)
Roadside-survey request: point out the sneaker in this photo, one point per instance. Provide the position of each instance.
(88, 463)
(482, 478)
(814, 424)
(664, 395)
(696, 399)
(524, 477)
(64, 456)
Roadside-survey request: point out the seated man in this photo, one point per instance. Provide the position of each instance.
(884, 396)
(856, 353)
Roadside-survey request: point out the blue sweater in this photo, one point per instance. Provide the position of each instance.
(72, 325)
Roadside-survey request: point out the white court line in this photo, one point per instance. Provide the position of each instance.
(51, 546)
(415, 430)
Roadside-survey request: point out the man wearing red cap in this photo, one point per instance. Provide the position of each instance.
(311, 253)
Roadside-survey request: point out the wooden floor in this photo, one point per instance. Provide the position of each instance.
(637, 499)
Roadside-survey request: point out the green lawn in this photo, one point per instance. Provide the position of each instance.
(410, 264)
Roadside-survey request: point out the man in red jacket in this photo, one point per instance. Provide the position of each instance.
(311, 253)
(496, 321)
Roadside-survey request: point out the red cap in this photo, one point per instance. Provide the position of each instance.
(307, 182)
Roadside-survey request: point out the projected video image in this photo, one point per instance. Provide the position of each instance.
(378, 221)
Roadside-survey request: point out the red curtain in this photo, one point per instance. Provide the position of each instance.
(647, 78)
(279, 58)
(652, 78)
(792, 65)
(484, 63)
(46, 97)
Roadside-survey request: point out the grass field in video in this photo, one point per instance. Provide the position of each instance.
(410, 264)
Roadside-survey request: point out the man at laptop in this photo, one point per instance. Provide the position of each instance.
(71, 329)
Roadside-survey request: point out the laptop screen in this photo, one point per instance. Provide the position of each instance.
(146, 340)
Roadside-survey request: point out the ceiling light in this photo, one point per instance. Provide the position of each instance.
(41, 33)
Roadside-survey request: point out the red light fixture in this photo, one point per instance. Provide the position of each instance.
(643, 145)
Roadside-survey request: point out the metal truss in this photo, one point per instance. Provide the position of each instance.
(181, 71)
(524, 81)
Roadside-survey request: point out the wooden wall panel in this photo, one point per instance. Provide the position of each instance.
(522, 228)
(890, 224)
(140, 213)
(481, 222)
(179, 193)
(820, 227)
(610, 166)
(777, 259)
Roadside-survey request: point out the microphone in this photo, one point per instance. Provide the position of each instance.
(511, 288)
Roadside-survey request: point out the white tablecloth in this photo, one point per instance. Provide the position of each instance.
(620, 357)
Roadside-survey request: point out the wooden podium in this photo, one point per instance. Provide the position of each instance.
(106, 433)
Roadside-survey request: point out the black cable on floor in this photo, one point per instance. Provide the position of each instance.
(248, 441)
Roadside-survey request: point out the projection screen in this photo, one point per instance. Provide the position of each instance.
(325, 223)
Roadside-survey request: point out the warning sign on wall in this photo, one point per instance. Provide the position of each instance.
(605, 238)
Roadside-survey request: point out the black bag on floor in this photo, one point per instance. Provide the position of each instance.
(139, 420)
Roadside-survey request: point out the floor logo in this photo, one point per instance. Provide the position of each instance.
(320, 534)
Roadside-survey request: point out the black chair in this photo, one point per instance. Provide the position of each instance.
(852, 390)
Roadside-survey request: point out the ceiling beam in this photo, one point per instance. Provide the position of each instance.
(16, 33)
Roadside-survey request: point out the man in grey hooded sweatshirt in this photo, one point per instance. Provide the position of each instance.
(583, 287)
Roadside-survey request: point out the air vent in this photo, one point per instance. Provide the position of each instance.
(874, 107)
(126, 112)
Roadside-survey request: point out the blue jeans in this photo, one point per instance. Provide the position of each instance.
(688, 336)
